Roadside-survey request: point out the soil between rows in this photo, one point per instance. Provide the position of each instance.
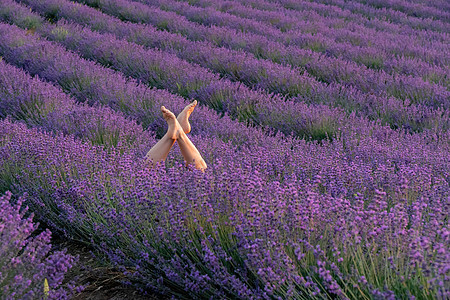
(103, 282)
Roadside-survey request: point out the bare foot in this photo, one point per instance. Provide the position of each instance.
(183, 117)
(174, 127)
(201, 165)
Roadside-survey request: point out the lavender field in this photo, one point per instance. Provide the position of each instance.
(325, 125)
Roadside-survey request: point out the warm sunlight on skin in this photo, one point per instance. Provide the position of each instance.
(178, 128)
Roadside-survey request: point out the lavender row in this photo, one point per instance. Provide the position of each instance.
(148, 36)
(325, 7)
(286, 18)
(26, 264)
(347, 73)
(40, 104)
(354, 35)
(412, 9)
(323, 43)
(326, 94)
(441, 4)
(89, 82)
(185, 232)
(205, 121)
(293, 21)
(317, 121)
(202, 120)
(234, 65)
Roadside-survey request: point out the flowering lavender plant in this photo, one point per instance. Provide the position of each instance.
(234, 231)
(27, 268)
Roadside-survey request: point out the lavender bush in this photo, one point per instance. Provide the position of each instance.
(188, 233)
(25, 260)
(43, 105)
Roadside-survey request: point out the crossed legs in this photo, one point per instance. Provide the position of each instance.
(178, 128)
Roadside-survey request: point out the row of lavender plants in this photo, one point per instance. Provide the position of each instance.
(287, 19)
(56, 64)
(200, 235)
(326, 69)
(356, 35)
(322, 41)
(353, 13)
(28, 268)
(42, 105)
(416, 9)
(251, 68)
(343, 7)
(219, 59)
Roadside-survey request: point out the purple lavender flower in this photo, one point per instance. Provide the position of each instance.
(26, 262)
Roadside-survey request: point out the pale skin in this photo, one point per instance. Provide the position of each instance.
(178, 128)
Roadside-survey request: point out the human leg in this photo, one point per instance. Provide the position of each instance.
(189, 151)
(176, 132)
(183, 117)
(160, 151)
